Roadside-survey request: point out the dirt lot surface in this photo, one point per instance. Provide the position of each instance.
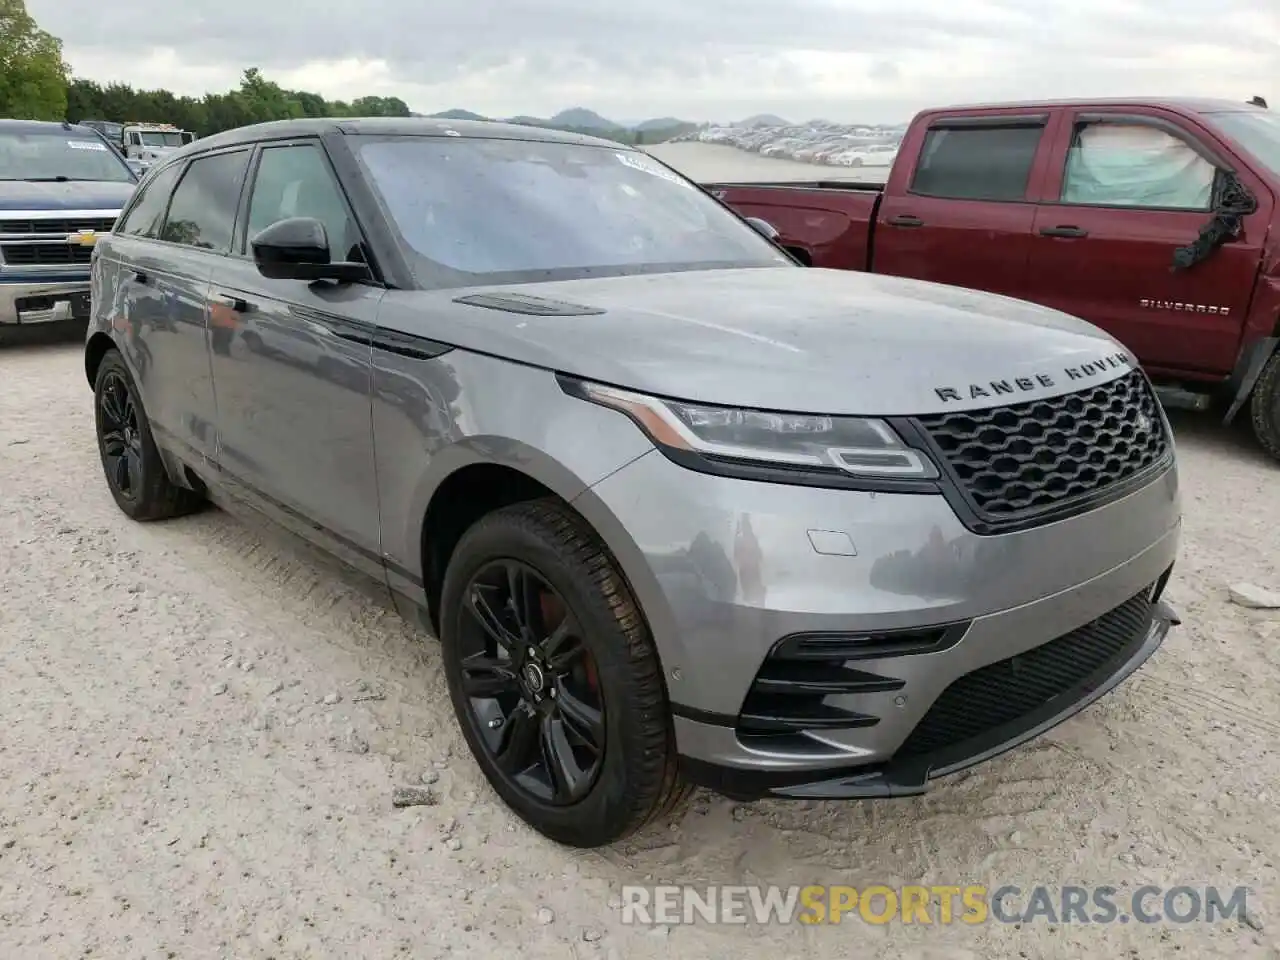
(202, 730)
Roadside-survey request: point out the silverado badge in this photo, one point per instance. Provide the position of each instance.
(83, 238)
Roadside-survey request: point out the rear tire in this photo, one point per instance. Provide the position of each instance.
(131, 462)
(634, 776)
(1264, 407)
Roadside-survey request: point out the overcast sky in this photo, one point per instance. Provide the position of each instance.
(845, 60)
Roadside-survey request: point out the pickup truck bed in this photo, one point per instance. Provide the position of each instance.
(824, 223)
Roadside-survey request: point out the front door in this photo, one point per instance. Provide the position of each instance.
(1132, 190)
(292, 372)
(959, 212)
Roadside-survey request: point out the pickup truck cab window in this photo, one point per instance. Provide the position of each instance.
(975, 162)
(494, 211)
(203, 210)
(1135, 165)
(60, 154)
(146, 217)
(296, 181)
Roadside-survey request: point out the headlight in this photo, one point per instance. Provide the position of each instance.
(797, 443)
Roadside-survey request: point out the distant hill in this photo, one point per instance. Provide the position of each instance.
(580, 118)
(456, 114)
(763, 120)
(661, 123)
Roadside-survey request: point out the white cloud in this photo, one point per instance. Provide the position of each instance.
(709, 59)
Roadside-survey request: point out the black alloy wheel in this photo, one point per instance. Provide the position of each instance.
(131, 461)
(532, 686)
(120, 435)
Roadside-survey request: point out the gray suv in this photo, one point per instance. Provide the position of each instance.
(680, 510)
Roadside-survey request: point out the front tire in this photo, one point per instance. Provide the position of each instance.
(134, 470)
(555, 679)
(1264, 407)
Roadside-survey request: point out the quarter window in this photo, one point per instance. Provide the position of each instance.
(147, 215)
(1135, 165)
(977, 163)
(296, 181)
(203, 211)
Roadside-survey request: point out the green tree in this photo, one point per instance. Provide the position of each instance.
(33, 75)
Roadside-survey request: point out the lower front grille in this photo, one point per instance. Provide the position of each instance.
(1004, 692)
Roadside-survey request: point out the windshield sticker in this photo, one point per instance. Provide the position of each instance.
(653, 169)
(86, 145)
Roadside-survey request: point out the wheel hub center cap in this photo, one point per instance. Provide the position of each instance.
(534, 678)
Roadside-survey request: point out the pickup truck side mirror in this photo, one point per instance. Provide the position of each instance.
(764, 228)
(297, 248)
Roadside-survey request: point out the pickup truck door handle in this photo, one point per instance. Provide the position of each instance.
(238, 304)
(906, 220)
(1063, 231)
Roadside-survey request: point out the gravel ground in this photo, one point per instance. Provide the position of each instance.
(203, 730)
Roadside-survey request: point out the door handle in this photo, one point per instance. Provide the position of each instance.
(238, 304)
(141, 277)
(905, 220)
(1063, 231)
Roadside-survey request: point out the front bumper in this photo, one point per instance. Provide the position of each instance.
(726, 569)
(31, 301)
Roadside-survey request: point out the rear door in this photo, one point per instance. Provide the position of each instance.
(959, 206)
(1126, 191)
(294, 414)
(155, 276)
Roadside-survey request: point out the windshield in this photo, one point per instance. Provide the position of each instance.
(513, 211)
(59, 155)
(158, 138)
(1258, 131)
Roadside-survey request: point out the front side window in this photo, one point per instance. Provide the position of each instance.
(146, 217)
(513, 211)
(55, 154)
(1135, 165)
(977, 163)
(296, 181)
(203, 210)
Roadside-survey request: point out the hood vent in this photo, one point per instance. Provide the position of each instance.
(532, 306)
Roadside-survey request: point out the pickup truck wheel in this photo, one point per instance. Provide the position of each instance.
(1264, 407)
(554, 677)
(135, 472)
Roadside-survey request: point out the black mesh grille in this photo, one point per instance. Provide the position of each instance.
(58, 226)
(1001, 693)
(1018, 461)
(36, 254)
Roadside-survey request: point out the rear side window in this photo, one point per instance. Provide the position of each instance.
(146, 217)
(1135, 165)
(203, 211)
(977, 163)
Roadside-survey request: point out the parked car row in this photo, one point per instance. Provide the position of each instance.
(680, 510)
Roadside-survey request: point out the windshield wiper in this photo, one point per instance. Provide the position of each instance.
(58, 179)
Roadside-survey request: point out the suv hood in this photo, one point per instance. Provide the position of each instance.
(790, 339)
(71, 195)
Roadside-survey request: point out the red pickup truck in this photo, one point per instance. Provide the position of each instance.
(1155, 220)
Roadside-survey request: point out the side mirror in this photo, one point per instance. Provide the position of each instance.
(764, 228)
(298, 249)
